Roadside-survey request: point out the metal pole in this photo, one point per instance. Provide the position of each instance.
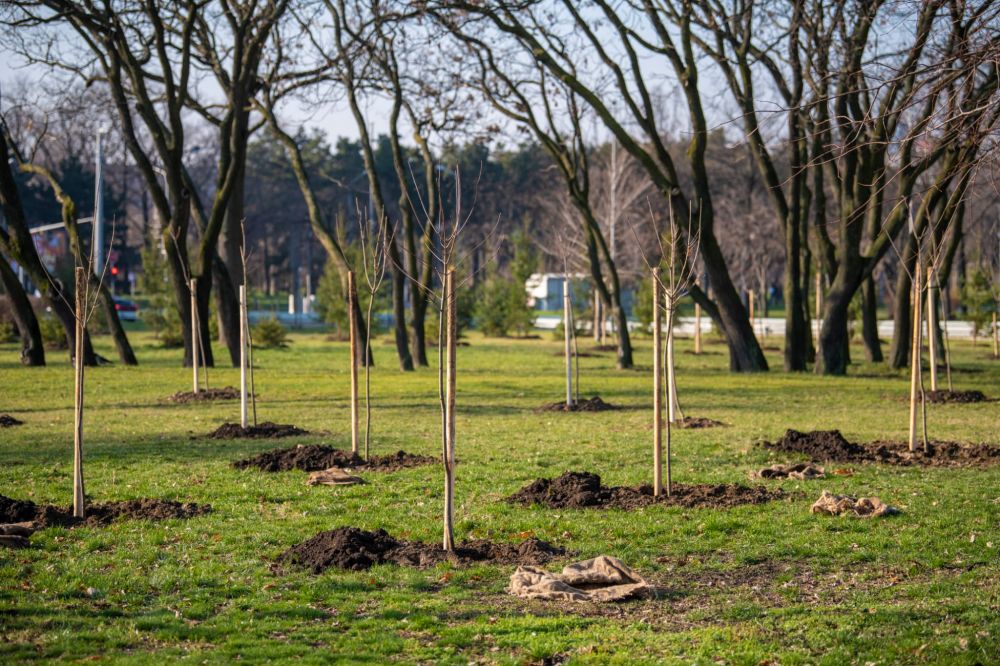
(97, 233)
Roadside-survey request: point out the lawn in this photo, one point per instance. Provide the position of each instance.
(756, 584)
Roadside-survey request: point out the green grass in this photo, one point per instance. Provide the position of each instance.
(768, 582)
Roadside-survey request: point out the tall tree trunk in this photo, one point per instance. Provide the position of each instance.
(902, 334)
(797, 332)
(869, 321)
(228, 307)
(745, 354)
(32, 347)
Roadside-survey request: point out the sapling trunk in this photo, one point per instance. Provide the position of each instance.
(243, 358)
(697, 328)
(597, 317)
(673, 404)
(915, 356)
(947, 344)
(352, 296)
(819, 305)
(566, 345)
(81, 317)
(932, 328)
(449, 458)
(750, 302)
(657, 389)
(195, 347)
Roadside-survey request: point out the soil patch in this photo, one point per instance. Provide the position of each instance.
(595, 404)
(266, 430)
(582, 354)
(583, 490)
(943, 397)
(98, 514)
(205, 395)
(316, 457)
(8, 421)
(822, 445)
(357, 550)
(605, 348)
(695, 422)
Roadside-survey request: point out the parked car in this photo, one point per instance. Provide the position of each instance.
(127, 310)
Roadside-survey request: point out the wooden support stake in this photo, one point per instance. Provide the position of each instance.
(752, 313)
(819, 303)
(567, 333)
(597, 317)
(449, 461)
(81, 317)
(932, 327)
(915, 355)
(697, 328)
(244, 420)
(195, 347)
(352, 297)
(657, 389)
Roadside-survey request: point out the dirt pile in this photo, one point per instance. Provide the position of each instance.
(961, 397)
(584, 489)
(356, 549)
(7, 421)
(316, 457)
(266, 430)
(595, 404)
(205, 395)
(98, 514)
(823, 445)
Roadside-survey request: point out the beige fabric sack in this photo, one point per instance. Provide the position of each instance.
(603, 578)
(333, 476)
(800, 471)
(864, 507)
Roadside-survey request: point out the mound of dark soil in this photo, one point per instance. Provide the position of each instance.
(584, 489)
(581, 354)
(266, 430)
(205, 395)
(356, 549)
(819, 445)
(942, 397)
(594, 404)
(695, 422)
(98, 515)
(316, 457)
(7, 421)
(823, 445)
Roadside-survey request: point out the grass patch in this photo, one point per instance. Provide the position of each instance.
(741, 585)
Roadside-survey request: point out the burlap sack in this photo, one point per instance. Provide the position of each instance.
(864, 507)
(800, 471)
(602, 579)
(333, 476)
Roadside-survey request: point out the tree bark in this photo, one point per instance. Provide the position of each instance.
(869, 321)
(32, 347)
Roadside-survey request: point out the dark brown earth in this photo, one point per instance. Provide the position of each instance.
(581, 354)
(584, 489)
(266, 430)
(605, 348)
(205, 395)
(695, 422)
(594, 404)
(356, 549)
(98, 514)
(942, 397)
(7, 421)
(316, 457)
(823, 445)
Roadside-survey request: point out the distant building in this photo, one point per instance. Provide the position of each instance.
(545, 291)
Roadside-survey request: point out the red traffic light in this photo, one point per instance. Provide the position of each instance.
(114, 270)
